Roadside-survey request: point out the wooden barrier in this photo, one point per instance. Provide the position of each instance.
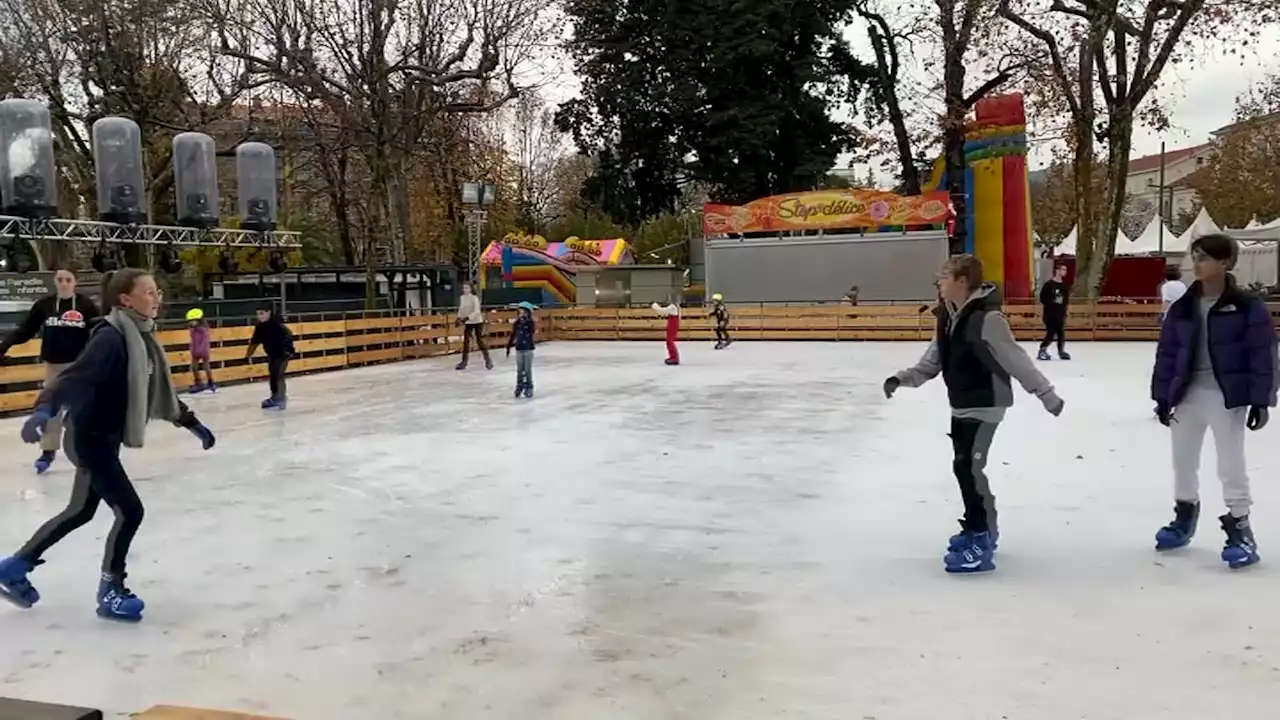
(843, 322)
(359, 339)
(321, 345)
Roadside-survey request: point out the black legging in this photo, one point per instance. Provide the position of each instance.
(473, 330)
(276, 369)
(1055, 328)
(99, 477)
(722, 333)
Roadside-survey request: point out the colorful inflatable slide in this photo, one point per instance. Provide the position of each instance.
(529, 261)
(997, 192)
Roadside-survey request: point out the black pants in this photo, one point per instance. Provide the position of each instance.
(1055, 328)
(476, 331)
(971, 441)
(99, 477)
(722, 333)
(276, 369)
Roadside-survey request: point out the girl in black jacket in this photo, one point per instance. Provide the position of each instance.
(62, 320)
(119, 382)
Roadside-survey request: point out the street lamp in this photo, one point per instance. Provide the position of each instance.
(476, 199)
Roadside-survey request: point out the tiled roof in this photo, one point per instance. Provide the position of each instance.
(1147, 163)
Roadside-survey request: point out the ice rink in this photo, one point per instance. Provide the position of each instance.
(755, 534)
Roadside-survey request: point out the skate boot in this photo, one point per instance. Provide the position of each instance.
(196, 389)
(1241, 549)
(957, 541)
(213, 387)
(671, 361)
(976, 556)
(280, 403)
(719, 345)
(461, 366)
(519, 390)
(116, 602)
(1043, 355)
(1064, 355)
(268, 404)
(528, 391)
(14, 585)
(1179, 532)
(488, 364)
(44, 461)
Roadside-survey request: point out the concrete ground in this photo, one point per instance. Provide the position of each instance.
(755, 534)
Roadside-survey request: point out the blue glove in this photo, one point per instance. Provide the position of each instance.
(205, 434)
(33, 428)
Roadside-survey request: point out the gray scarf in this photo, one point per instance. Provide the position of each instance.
(151, 394)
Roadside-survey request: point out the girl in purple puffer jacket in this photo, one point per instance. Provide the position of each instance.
(200, 351)
(1215, 369)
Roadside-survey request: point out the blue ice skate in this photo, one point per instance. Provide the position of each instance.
(1043, 355)
(116, 602)
(268, 403)
(959, 542)
(45, 460)
(976, 556)
(1064, 355)
(197, 389)
(1241, 549)
(14, 585)
(528, 391)
(1186, 515)
(213, 387)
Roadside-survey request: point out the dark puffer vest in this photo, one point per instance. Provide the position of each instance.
(968, 368)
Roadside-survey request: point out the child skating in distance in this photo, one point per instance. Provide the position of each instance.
(976, 353)
(671, 312)
(1215, 369)
(277, 344)
(721, 315)
(110, 392)
(522, 333)
(200, 351)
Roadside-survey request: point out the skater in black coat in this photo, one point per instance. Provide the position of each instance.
(62, 320)
(119, 383)
(276, 340)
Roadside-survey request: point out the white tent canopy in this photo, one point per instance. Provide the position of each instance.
(1202, 225)
(1154, 238)
(1068, 244)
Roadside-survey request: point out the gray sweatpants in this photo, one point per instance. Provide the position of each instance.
(52, 437)
(1202, 410)
(524, 368)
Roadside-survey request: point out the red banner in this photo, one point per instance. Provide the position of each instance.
(827, 209)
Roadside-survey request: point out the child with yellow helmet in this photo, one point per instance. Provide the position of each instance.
(200, 351)
(721, 314)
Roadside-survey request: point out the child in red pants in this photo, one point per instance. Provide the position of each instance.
(672, 313)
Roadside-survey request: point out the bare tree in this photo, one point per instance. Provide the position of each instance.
(883, 97)
(1115, 52)
(387, 68)
(540, 151)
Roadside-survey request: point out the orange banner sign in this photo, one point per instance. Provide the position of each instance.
(827, 209)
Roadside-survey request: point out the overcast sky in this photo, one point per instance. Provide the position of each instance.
(1200, 94)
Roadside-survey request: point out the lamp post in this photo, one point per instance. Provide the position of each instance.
(476, 199)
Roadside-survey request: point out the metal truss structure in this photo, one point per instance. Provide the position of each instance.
(103, 232)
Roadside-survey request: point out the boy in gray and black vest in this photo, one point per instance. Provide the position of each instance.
(975, 351)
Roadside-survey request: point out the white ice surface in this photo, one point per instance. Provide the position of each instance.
(754, 534)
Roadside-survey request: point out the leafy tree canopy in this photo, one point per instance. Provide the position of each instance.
(734, 94)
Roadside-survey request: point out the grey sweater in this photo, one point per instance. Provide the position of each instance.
(1013, 361)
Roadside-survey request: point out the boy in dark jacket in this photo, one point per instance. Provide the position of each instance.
(522, 334)
(118, 383)
(721, 315)
(1053, 301)
(975, 351)
(277, 344)
(62, 320)
(1215, 369)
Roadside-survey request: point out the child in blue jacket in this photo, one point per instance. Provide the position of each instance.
(1215, 369)
(522, 339)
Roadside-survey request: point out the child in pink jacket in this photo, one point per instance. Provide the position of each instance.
(200, 351)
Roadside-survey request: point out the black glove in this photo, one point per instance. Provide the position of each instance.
(1164, 414)
(1258, 417)
(891, 386)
